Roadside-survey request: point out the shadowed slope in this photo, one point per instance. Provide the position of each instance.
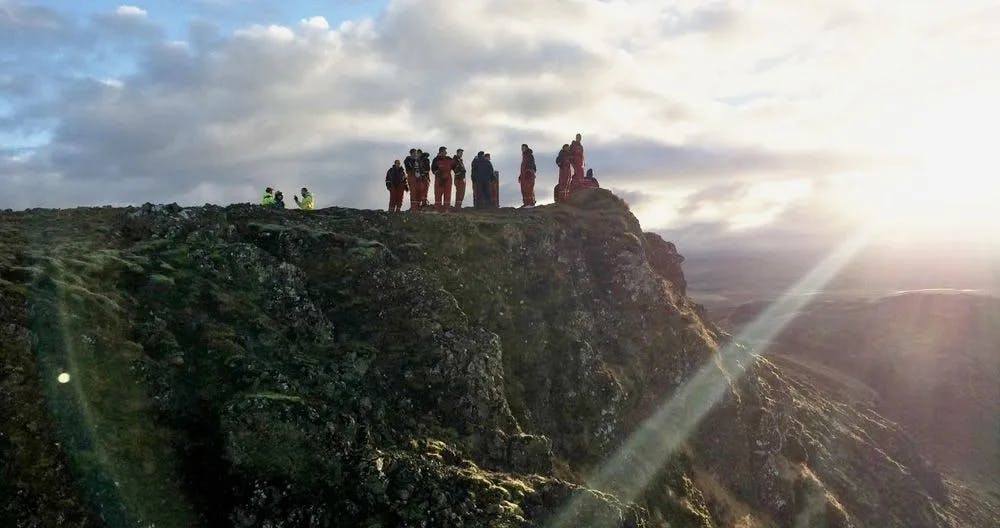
(243, 366)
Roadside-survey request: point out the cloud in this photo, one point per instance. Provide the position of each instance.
(16, 15)
(697, 113)
(714, 17)
(272, 33)
(275, 96)
(661, 162)
(129, 22)
(127, 11)
(635, 198)
(802, 221)
(19, 85)
(32, 28)
(713, 197)
(316, 22)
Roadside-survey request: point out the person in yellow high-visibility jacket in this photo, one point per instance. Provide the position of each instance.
(268, 199)
(307, 203)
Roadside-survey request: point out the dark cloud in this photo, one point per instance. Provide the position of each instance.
(222, 116)
(634, 198)
(17, 85)
(529, 98)
(38, 40)
(438, 50)
(25, 26)
(666, 110)
(204, 34)
(725, 192)
(627, 162)
(806, 225)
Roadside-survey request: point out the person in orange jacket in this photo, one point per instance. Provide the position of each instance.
(442, 167)
(459, 168)
(563, 161)
(527, 176)
(395, 183)
(576, 157)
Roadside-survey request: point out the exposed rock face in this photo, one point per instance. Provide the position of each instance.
(665, 260)
(247, 367)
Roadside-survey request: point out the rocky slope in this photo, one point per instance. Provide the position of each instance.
(930, 359)
(247, 367)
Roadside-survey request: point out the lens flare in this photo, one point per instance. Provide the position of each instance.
(629, 470)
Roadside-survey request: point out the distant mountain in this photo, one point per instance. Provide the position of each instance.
(727, 278)
(929, 360)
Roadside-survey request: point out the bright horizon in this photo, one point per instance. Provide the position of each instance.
(741, 119)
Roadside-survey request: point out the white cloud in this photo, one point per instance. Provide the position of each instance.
(316, 22)
(272, 32)
(127, 22)
(672, 98)
(129, 11)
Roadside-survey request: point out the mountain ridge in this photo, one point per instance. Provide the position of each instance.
(927, 357)
(239, 366)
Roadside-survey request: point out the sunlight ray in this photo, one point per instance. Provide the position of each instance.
(629, 470)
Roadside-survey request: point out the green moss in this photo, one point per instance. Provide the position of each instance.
(159, 280)
(276, 396)
(347, 368)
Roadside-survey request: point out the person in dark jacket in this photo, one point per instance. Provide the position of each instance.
(395, 183)
(482, 173)
(411, 164)
(563, 161)
(442, 167)
(527, 176)
(279, 200)
(494, 184)
(424, 173)
(495, 189)
(475, 186)
(459, 168)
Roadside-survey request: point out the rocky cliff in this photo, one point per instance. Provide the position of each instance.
(240, 366)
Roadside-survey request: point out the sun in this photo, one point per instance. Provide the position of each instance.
(944, 183)
(929, 206)
(932, 201)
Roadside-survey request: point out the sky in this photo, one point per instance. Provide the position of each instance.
(768, 124)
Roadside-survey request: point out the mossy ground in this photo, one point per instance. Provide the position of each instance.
(251, 367)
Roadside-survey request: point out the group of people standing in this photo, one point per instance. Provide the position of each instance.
(413, 175)
(571, 175)
(276, 199)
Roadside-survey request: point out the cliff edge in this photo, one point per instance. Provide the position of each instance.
(242, 366)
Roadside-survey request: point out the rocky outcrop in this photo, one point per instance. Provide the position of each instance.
(243, 366)
(665, 260)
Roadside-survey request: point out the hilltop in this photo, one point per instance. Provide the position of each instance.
(242, 366)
